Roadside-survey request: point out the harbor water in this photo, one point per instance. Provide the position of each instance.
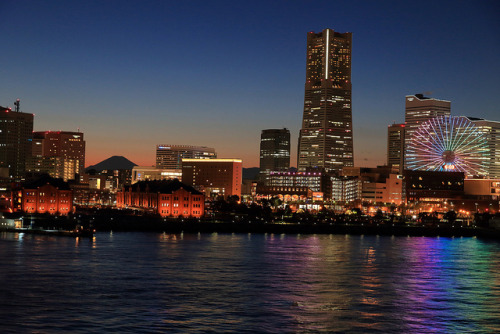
(248, 283)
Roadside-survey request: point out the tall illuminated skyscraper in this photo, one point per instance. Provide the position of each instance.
(274, 151)
(325, 140)
(16, 130)
(396, 146)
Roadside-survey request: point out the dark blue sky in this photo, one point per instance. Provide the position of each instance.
(132, 74)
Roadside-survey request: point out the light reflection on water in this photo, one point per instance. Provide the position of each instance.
(146, 282)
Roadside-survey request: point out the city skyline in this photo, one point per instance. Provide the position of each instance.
(131, 75)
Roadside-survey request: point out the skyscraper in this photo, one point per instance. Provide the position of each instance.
(325, 140)
(395, 146)
(274, 150)
(170, 156)
(58, 153)
(491, 130)
(16, 129)
(418, 110)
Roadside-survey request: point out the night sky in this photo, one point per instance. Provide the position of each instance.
(133, 74)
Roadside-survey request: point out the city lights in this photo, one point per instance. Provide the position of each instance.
(448, 144)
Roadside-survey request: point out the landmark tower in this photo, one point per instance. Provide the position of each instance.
(325, 140)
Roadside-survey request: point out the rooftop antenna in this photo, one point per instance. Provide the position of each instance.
(17, 103)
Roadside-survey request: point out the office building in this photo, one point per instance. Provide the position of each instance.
(61, 154)
(395, 147)
(144, 173)
(274, 151)
(325, 139)
(491, 131)
(213, 177)
(170, 156)
(377, 184)
(345, 189)
(16, 129)
(312, 184)
(419, 109)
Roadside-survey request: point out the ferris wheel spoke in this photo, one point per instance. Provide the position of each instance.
(449, 140)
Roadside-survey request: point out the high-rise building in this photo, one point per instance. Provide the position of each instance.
(213, 177)
(170, 156)
(16, 129)
(325, 140)
(395, 147)
(419, 109)
(274, 151)
(61, 154)
(491, 130)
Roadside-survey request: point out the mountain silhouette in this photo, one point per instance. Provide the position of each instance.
(112, 163)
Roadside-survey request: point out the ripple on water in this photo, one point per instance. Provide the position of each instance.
(153, 283)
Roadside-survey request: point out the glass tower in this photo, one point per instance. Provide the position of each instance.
(274, 151)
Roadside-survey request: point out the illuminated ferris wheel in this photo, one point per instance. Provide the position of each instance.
(448, 144)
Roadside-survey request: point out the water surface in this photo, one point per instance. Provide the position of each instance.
(188, 283)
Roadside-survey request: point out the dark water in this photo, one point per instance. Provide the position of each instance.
(156, 283)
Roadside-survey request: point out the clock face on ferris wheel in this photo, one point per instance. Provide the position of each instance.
(448, 144)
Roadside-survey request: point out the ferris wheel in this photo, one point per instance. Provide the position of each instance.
(448, 143)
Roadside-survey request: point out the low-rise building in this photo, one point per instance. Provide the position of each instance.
(286, 194)
(381, 184)
(433, 186)
(43, 195)
(168, 198)
(483, 187)
(312, 184)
